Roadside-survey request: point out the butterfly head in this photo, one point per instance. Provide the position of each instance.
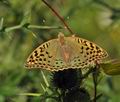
(61, 38)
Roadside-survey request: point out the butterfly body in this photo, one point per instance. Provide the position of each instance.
(64, 53)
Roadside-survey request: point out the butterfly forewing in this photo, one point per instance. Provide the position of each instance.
(41, 56)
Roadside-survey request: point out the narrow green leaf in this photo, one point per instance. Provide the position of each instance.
(1, 23)
(43, 87)
(111, 67)
(26, 18)
(30, 94)
(45, 27)
(45, 79)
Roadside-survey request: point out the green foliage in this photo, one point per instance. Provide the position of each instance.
(24, 24)
(111, 67)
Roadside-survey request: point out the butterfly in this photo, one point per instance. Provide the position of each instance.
(65, 53)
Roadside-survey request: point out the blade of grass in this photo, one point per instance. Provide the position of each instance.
(44, 27)
(30, 94)
(43, 87)
(45, 79)
(1, 23)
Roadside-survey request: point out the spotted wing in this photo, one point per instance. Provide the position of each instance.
(47, 56)
(84, 53)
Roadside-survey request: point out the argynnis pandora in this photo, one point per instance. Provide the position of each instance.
(64, 53)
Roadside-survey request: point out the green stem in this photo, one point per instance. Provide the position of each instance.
(8, 29)
(12, 28)
(44, 27)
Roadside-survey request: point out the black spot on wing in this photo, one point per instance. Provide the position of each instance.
(40, 59)
(91, 45)
(47, 52)
(41, 49)
(41, 54)
(31, 57)
(87, 48)
(44, 59)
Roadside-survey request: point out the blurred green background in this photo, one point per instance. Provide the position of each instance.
(95, 20)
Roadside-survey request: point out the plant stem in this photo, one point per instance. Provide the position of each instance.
(60, 17)
(8, 29)
(95, 83)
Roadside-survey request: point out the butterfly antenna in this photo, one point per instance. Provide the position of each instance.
(60, 17)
